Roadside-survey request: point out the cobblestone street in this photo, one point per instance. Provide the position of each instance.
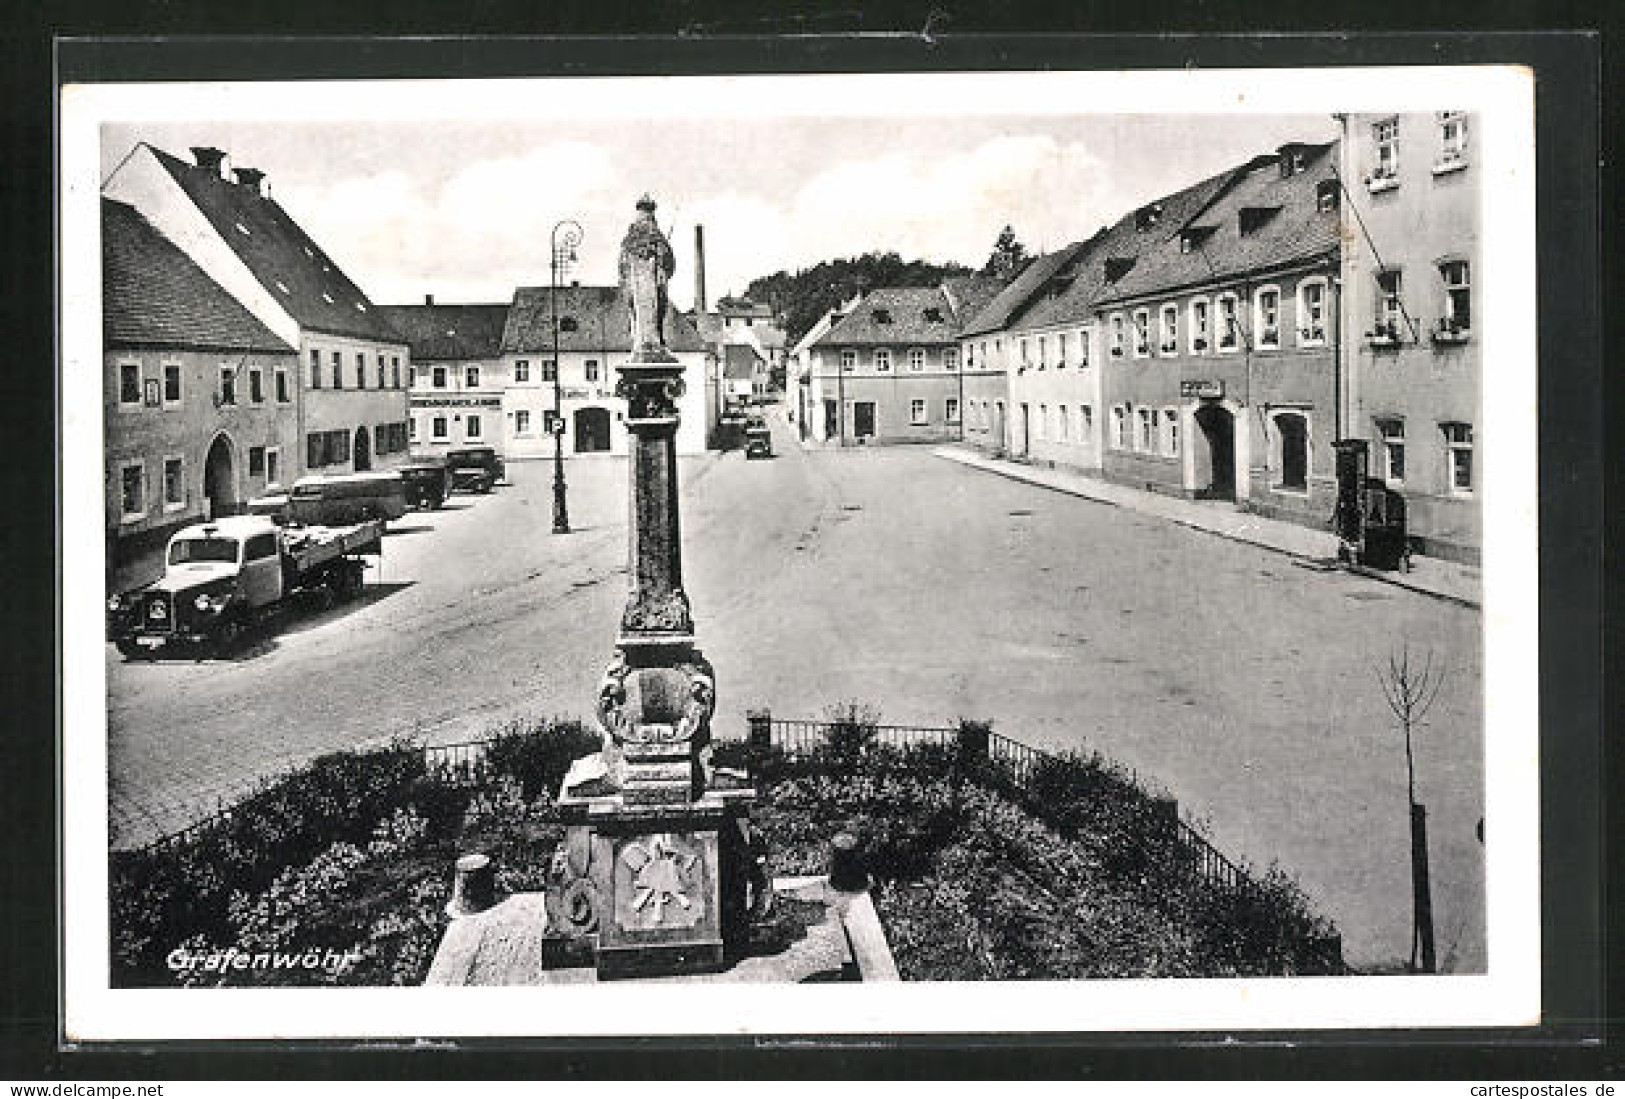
(1242, 683)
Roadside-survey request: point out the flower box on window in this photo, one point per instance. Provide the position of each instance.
(1315, 335)
(1381, 179)
(1199, 343)
(1451, 160)
(1449, 330)
(1117, 352)
(1385, 334)
(1271, 337)
(1169, 347)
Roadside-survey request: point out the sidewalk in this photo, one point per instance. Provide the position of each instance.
(1429, 576)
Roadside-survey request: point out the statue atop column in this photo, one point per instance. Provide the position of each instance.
(646, 265)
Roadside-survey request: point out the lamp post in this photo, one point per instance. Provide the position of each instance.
(566, 235)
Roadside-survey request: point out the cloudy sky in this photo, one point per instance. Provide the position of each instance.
(462, 208)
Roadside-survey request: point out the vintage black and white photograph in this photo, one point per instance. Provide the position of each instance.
(988, 545)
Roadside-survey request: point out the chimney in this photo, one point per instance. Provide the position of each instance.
(699, 270)
(428, 299)
(252, 177)
(210, 159)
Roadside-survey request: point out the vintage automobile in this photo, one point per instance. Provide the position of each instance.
(474, 468)
(758, 441)
(426, 482)
(347, 498)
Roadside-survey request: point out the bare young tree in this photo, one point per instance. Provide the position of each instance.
(1410, 688)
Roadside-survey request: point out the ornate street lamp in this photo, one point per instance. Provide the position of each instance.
(566, 236)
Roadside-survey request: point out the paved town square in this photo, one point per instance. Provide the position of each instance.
(1243, 683)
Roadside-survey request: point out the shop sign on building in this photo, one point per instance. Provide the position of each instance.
(1208, 389)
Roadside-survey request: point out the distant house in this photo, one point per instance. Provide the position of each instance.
(592, 337)
(458, 373)
(201, 402)
(888, 370)
(744, 373)
(356, 368)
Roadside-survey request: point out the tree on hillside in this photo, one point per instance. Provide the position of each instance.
(801, 298)
(1009, 255)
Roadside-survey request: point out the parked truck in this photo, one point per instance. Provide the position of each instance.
(225, 577)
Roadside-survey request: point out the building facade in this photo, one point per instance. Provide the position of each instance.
(458, 374)
(355, 370)
(592, 337)
(1409, 268)
(200, 400)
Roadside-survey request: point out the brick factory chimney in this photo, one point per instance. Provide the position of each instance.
(699, 270)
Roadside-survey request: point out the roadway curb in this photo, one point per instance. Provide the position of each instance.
(1017, 474)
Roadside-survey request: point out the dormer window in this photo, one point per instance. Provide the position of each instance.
(1253, 218)
(1195, 236)
(933, 315)
(1117, 268)
(1146, 217)
(882, 316)
(1290, 158)
(1326, 196)
(567, 324)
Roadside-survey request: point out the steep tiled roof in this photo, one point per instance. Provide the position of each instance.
(740, 361)
(153, 295)
(1007, 302)
(591, 318)
(970, 294)
(291, 267)
(897, 315)
(455, 332)
(1292, 228)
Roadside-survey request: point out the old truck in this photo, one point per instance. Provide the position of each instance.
(225, 577)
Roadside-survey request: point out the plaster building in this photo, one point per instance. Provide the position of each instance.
(800, 368)
(200, 399)
(593, 337)
(354, 368)
(458, 374)
(888, 371)
(1409, 267)
(1222, 376)
(744, 373)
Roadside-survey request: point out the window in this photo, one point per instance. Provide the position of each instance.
(590, 368)
(1391, 450)
(129, 383)
(916, 411)
(1458, 444)
(1117, 336)
(133, 491)
(172, 383)
(1043, 421)
(228, 385)
(550, 421)
(1326, 196)
(256, 461)
(1043, 352)
(950, 358)
(1390, 311)
(338, 371)
(1292, 451)
(1060, 350)
(1142, 333)
(1119, 428)
(273, 465)
(1199, 326)
(1312, 313)
(1083, 348)
(256, 386)
(1148, 430)
(950, 410)
(360, 370)
(882, 316)
(521, 422)
(395, 371)
(1452, 142)
(259, 547)
(472, 428)
(174, 485)
(1170, 330)
(439, 377)
(882, 360)
(550, 370)
(1086, 423)
(1385, 141)
(849, 359)
(1170, 421)
(283, 396)
(438, 428)
(1458, 297)
(1063, 426)
(521, 370)
(932, 315)
(1024, 357)
(1267, 317)
(315, 369)
(1229, 327)
(567, 324)
(412, 429)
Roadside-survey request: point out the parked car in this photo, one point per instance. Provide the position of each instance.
(426, 482)
(758, 440)
(347, 498)
(474, 468)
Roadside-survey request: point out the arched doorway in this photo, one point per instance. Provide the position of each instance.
(362, 450)
(591, 430)
(220, 479)
(1215, 453)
